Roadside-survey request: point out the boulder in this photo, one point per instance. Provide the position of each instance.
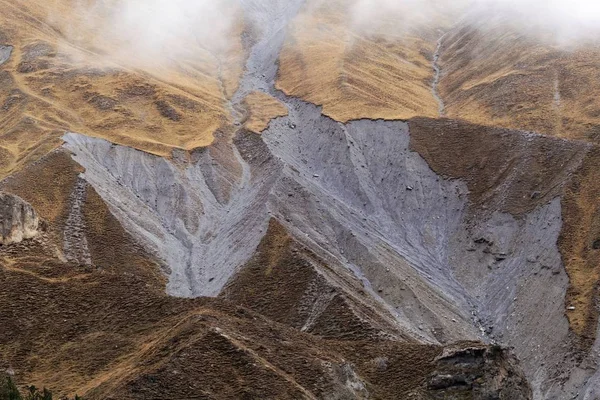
(18, 219)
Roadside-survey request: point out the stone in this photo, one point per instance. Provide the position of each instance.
(18, 219)
(5, 52)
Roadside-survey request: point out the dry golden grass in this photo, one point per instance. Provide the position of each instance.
(54, 83)
(261, 109)
(493, 75)
(353, 74)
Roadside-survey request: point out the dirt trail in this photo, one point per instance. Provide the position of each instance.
(9, 265)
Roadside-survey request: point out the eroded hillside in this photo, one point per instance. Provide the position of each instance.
(284, 214)
(104, 326)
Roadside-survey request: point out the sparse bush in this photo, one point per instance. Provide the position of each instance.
(9, 391)
(496, 350)
(35, 394)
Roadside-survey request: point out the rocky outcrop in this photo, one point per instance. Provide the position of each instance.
(5, 52)
(18, 219)
(477, 372)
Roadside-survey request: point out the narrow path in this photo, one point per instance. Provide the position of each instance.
(268, 365)
(9, 265)
(437, 75)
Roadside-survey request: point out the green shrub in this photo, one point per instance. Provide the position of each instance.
(9, 391)
(35, 394)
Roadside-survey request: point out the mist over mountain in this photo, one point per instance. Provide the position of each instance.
(142, 33)
(300, 199)
(566, 20)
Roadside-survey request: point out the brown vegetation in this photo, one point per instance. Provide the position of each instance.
(109, 331)
(494, 75)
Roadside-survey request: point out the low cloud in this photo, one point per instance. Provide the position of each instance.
(153, 31)
(562, 20)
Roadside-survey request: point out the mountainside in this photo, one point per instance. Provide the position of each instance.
(310, 208)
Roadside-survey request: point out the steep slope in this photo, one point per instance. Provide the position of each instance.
(473, 66)
(108, 330)
(419, 244)
(494, 74)
(349, 257)
(356, 74)
(58, 73)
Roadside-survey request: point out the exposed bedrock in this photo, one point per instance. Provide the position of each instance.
(178, 211)
(382, 223)
(376, 217)
(18, 219)
(477, 372)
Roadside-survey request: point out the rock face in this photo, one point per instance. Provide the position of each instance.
(477, 372)
(18, 219)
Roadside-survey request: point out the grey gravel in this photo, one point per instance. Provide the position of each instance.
(373, 210)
